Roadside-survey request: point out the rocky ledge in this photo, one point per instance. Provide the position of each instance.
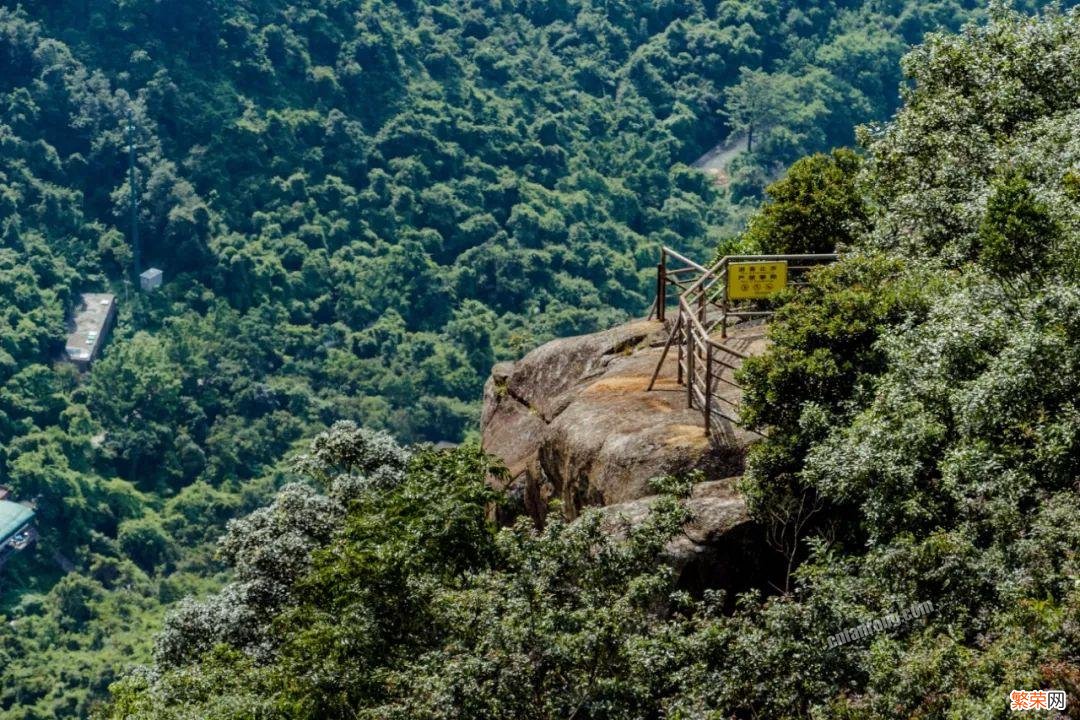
(573, 421)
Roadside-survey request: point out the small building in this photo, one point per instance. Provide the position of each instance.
(16, 529)
(93, 320)
(151, 280)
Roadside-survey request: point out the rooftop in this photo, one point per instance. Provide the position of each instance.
(13, 517)
(89, 326)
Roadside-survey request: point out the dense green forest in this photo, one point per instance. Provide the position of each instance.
(921, 402)
(359, 208)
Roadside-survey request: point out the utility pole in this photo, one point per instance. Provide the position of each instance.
(132, 182)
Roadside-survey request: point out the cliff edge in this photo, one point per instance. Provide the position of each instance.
(573, 421)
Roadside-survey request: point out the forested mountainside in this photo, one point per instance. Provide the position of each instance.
(359, 207)
(922, 452)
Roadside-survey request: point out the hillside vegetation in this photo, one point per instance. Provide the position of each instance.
(359, 207)
(923, 447)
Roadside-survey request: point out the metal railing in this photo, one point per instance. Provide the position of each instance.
(676, 278)
(705, 364)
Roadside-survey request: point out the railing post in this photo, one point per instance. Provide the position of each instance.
(681, 332)
(708, 387)
(690, 368)
(663, 356)
(655, 310)
(661, 287)
(723, 305)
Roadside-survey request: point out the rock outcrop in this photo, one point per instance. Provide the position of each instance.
(718, 548)
(573, 421)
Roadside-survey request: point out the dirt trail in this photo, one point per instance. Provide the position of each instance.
(716, 161)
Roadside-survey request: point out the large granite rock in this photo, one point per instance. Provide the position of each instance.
(572, 421)
(718, 547)
(714, 506)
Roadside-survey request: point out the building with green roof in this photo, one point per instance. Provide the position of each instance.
(13, 519)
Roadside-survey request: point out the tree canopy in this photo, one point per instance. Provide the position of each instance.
(359, 207)
(920, 402)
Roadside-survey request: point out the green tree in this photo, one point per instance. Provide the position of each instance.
(1018, 232)
(135, 392)
(758, 102)
(76, 599)
(817, 207)
(145, 541)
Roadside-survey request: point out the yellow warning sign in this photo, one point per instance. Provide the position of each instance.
(753, 280)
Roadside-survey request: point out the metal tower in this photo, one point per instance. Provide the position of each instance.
(136, 260)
